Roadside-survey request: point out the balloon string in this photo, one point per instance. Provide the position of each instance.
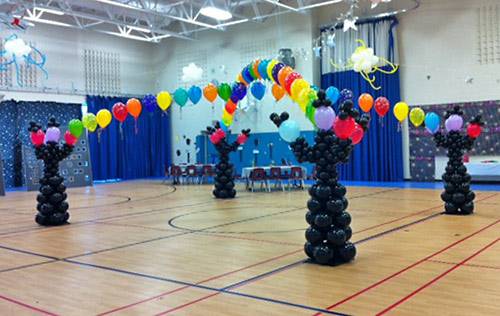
(399, 127)
(135, 126)
(121, 130)
(99, 135)
(381, 121)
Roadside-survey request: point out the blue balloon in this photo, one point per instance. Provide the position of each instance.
(223, 126)
(194, 94)
(289, 130)
(345, 95)
(246, 75)
(432, 122)
(263, 68)
(258, 90)
(315, 87)
(333, 94)
(149, 103)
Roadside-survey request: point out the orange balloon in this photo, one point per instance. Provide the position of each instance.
(240, 79)
(278, 92)
(255, 67)
(134, 107)
(210, 92)
(365, 102)
(283, 73)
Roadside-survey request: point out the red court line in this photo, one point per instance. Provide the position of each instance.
(200, 282)
(188, 304)
(442, 275)
(376, 284)
(27, 306)
(252, 239)
(467, 265)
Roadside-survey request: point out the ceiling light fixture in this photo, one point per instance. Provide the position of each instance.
(138, 38)
(51, 11)
(38, 20)
(118, 4)
(216, 13)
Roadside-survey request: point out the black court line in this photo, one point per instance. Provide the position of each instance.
(28, 266)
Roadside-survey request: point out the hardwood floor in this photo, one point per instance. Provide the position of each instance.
(147, 248)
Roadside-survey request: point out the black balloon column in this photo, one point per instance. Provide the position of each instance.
(224, 177)
(52, 206)
(458, 197)
(329, 232)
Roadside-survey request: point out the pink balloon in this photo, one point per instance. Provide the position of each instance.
(242, 138)
(357, 134)
(37, 138)
(70, 139)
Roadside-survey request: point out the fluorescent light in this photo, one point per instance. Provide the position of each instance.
(233, 22)
(51, 11)
(278, 3)
(38, 20)
(118, 4)
(140, 29)
(129, 36)
(216, 13)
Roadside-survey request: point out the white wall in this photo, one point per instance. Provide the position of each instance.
(65, 65)
(230, 49)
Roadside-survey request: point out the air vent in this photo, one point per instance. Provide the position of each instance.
(488, 34)
(102, 72)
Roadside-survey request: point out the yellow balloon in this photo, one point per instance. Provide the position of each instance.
(303, 99)
(227, 118)
(270, 67)
(417, 116)
(401, 111)
(103, 118)
(297, 86)
(164, 100)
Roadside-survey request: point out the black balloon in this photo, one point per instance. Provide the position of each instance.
(52, 206)
(457, 196)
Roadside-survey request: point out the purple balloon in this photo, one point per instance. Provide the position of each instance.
(276, 70)
(454, 123)
(52, 135)
(346, 94)
(324, 117)
(149, 102)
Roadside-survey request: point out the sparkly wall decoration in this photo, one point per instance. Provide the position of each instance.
(2, 182)
(14, 117)
(423, 150)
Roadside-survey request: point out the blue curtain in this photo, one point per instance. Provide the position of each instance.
(379, 157)
(127, 153)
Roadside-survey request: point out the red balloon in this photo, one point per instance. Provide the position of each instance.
(344, 128)
(242, 138)
(37, 138)
(290, 79)
(357, 134)
(70, 139)
(120, 112)
(230, 107)
(382, 106)
(214, 138)
(474, 130)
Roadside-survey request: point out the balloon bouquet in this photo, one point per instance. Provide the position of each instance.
(329, 232)
(224, 178)
(52, 206)
(458, 198)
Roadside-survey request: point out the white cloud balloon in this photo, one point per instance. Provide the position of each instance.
(17, 47)
(191, 73)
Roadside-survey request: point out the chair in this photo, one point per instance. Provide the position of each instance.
(275, 175)
(176, 174)
(167, 174)
(192, 174)
(207, 171)
(297, 175)
(259, 175)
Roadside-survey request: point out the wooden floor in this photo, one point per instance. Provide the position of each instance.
(146, 248)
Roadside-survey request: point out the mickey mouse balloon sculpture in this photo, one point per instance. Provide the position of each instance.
(329, 232)
(52, 206)
(458, 198)
(224, 178)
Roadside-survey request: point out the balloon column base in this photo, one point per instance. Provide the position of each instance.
(55, 219)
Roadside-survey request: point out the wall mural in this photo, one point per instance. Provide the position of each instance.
(423, 150)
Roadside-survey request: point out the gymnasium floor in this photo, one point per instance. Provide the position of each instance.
(146, 248)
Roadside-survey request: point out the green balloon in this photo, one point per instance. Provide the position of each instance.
(75, 127)
(181, 97)
(252, 73)
(90, 122)
(224, 91)
(310, 110)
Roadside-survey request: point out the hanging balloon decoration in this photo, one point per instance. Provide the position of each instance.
(366, 63)
(181, 97)
(432, 122)
(164, 100)
(134, 108)
(238, 92)
(278, 92)
(382, 106)
(224, 91)
(417, 116)
(194, 94)
(89, 121)
(75, 127)
(401, 110)
(333, 94)
(365, 102)
(149, 102)
(120, 113)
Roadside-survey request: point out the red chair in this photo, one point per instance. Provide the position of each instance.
(207, 171)
(275, 175)
(192, 174)
(176, 174)
(259, 175)
(297, 176)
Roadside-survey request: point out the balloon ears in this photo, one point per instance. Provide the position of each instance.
(278, 119)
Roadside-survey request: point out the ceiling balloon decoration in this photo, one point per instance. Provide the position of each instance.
(16, 53)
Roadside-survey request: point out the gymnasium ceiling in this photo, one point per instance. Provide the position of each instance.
(153, 20)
